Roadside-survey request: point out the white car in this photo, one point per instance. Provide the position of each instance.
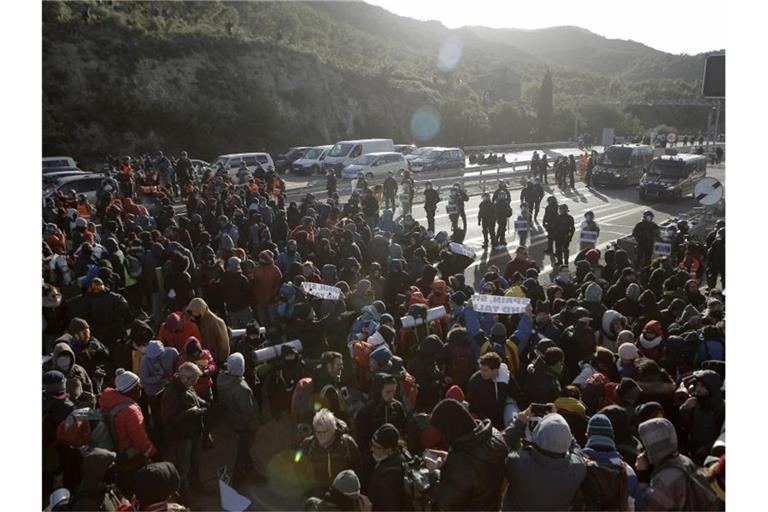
(59, 161)
(312, 161)
(376, 165)
(87, 183)
(231, 162)
(417, 153)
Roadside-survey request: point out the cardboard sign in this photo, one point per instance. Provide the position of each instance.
(521, 225)
(498, 304)
(321, 290)
(589, 237)
(662, 249)
(462, 250)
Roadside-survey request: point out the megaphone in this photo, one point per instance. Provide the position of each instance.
(432, 315)
(265, 354)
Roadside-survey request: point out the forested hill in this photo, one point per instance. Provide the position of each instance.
(215, 77)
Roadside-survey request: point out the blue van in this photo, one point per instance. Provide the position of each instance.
(672, 176)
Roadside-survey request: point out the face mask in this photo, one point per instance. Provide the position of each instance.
(63, 362)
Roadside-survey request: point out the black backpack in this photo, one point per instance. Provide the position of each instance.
(605, 487)
(698, 494)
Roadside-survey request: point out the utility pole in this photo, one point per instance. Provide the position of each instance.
(718, 104)
(576, 120)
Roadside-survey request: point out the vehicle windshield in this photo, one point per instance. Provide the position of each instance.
(262, 159)
(219, 161)
(667, 168)
(364, 160)
(293, 152)
(617, 157)
(55, 163)
(420, 151)
(432, 155)
(340, 150)
(313, 154)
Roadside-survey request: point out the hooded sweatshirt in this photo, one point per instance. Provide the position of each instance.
(213, 330)
(236, 397)
(204, 361)
(703, 423)
(606, 337)
(157, 367)
(79, 386)
(544, 475)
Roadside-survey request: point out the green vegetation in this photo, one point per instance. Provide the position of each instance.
(215, 77)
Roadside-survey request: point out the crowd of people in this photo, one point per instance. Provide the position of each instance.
(605, 393)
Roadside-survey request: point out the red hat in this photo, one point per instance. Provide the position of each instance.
(592, 256)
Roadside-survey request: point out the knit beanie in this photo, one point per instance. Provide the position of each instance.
(628, 351)
(452, 420)
(633, 291)
(379, 306)
(388, 319)
(498, 332)
(648, 409)
(382, 355)
(592, 256)
(347, 483)
(233, 264)
(236, 364)
(54, 382)
(652, 335)
(125, 381)
(625, 336)
(387, 436)
(553, 434)
(600, 432)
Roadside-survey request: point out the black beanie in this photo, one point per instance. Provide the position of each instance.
(452, 419)
(388, 333)
(387, 436)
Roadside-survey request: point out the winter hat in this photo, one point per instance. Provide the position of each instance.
(459, 298)
(628, 351)
(233, 264)
(236, 364)
(388, 319)
(155, 482)
(592, 256)
(77, 325)
(553, 434)
(689, 313)
(625, 336)
(659, 439)
(652, 335)
(648, 409)
(387, 436)
(456, 393)
(155, 348)
(125, 381)
(379, 306)
(173, 322)
(633, 291)
(498, 331)
(382, 355)
(600, 432)
(347, 483)
(626, 386)
(54, 382)
(452, 419)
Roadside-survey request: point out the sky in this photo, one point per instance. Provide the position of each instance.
(673, 27)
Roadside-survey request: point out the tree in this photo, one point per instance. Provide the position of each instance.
(545, 106)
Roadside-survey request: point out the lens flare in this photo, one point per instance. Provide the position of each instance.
(297, 456)
(425, 124)
(450, 54)
(317, 406)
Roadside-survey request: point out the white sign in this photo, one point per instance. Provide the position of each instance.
(321, 290)
(462, 250)
(708, 191)
(231, 500)
(589, 237)
(662, 249)
(607, 137)
(452, 209)
(498, 304)
(521, 225)
(671, 137)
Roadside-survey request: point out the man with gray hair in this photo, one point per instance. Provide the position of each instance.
(236, 290)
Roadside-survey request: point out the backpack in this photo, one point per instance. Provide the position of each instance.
(361, 354)
(698, 494)
(286, 301)
(605, 487)
(301, 401)
(94, 428)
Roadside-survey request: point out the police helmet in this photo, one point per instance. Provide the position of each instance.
(563, 207)
(552, 200)
(648, 213)
(589, 215)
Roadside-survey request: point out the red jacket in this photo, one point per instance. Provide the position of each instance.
(176, 339)
(309, 231)
(204, 361)
(516, 265)
(130, 429)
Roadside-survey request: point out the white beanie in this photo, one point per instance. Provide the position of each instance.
(236, 364)
(125, 381)
(626, 336)
(628, 351)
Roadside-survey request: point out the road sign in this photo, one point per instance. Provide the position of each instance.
(708, 191)
(671, 137)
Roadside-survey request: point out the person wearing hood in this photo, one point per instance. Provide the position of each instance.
(213, 330)
(423, 366)
(626, 444)
(613, 323)
(601, 449)
(541, 382)
(629, 306)
(79, 387)
(593, 302)
(628, 354)
(289, 256)
(703, 414)
(88, 351)
(544, 474)
(182, 415)
(176, 330)
(158, 364)
(670, 471)
(265, 285)
(194, 353)
(107, 314)
(714, 313)
(471, 475)
(675, 310)
(651, 342)
(241, 413)
(94, 493)
(712, 346)
(386, 223)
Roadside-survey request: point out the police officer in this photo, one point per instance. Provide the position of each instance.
(645, 232)
(543, 167)
(535, 164)
(431, 198)
(571, 171)
(589, 224)
(550, 214)
(563, 228)
(390, 191)
(330, 182)
(184, 171)
(457, 199)
(528, 194)
(538, 195)
(501, 200)
(487, 218)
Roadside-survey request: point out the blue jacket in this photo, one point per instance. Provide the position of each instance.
(157, 367)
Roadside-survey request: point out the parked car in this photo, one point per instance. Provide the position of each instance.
(231, 163)
(312, 161)
(404, 149)
(375, 165)
(285, 161)
(438, 159)
(59, 161)
(60, 172)
(87, 183)
(418, 153)
(345, 151)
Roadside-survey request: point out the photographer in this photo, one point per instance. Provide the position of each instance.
(472, 473)
(385, 488)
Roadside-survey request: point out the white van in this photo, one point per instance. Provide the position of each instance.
(343, 152)
(312, 161)
(59, 161)
(231, 162)
(376, 165)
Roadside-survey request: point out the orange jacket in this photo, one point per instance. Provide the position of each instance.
(176, 339)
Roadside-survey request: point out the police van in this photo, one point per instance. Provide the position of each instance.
(672, 176)
(622, 165)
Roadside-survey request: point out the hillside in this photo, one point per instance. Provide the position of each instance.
(215, 77)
